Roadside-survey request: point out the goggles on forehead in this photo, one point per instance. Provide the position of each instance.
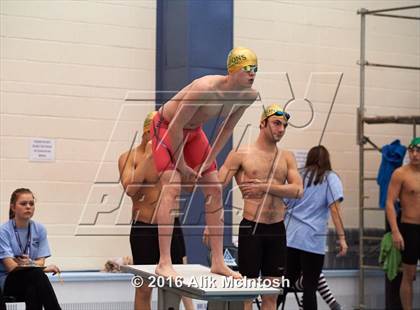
(414, 148)
(282, 113)
(250, 68)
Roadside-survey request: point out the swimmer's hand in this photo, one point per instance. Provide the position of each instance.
(203, 167)
(188, 185)
(253, 188)
(187, 172)
(206, 237)
(398, 240)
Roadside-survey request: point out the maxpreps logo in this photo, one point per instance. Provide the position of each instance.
(108, 210)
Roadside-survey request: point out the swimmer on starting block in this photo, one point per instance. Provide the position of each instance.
(181, 149)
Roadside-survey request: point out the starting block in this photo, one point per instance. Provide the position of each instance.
(197, 282)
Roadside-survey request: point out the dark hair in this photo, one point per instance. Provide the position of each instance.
(14, 198)
(265, 123)
(317, 165)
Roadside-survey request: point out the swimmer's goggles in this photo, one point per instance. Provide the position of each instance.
(281, 113)
(414, 148)
(274, 109)
(250, 68)
(414, 145)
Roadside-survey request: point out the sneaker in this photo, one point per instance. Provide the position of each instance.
(335, 306)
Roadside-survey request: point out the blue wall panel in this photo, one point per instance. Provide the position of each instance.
(193, 40)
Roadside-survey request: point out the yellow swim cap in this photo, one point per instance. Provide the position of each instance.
(148, 121)
(274, 109)
(240, 57)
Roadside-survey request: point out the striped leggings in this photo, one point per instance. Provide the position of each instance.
(323, 289)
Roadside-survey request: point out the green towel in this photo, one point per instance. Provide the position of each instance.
(390, 257)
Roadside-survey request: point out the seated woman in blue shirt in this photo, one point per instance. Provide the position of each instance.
(307, 220)
(23, 248)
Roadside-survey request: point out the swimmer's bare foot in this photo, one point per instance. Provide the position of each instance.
(167, 271)
(224, 270)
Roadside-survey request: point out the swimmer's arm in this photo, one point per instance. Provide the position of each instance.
(225, 132)
(294, 186)
(394, 190)
(141, 166)
(230, 167)
(132, 175)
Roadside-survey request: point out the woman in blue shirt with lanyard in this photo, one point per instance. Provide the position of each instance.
(307, 220)
(23, 250)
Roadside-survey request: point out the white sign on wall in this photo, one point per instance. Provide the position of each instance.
(41, 149)
(300, 157)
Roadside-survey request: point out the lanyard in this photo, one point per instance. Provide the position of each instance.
(28, 242)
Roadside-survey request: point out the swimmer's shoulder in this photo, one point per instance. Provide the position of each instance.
(288, 155)
(241, 152)
(136, 153)
(245, 150)
(123, 161)
(285, 152)
(400, 171)
(127, 154)
(404, 172)
(236, 157)
(208, 82)
(124, 156)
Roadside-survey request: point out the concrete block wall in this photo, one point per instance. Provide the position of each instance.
(66, 67)
(314, 42)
